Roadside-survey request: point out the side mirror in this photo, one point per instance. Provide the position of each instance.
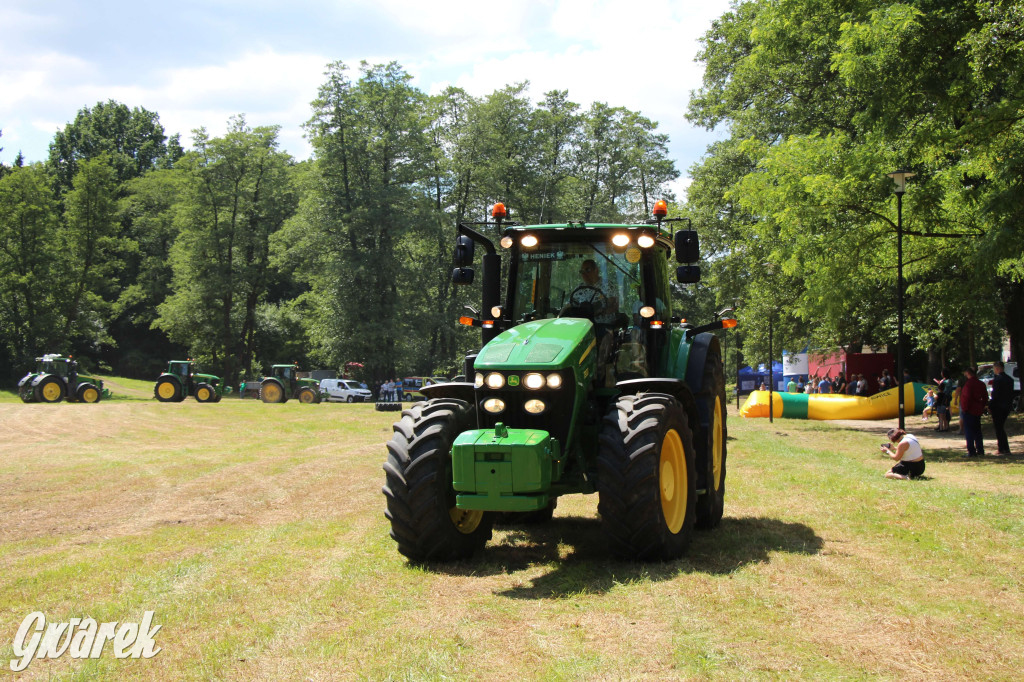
(687, 246)
(464, 252)
(462, 276)
(688, 274)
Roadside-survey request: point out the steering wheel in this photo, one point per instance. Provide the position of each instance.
(596, 299)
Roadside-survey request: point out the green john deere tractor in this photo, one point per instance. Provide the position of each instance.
(586, 382)
(283, 383)
(55, 378)
(183, 379)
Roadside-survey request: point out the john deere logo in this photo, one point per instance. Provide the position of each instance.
(513, 380)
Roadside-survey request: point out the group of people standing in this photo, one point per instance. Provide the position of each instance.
(970, 400)
(391, 390)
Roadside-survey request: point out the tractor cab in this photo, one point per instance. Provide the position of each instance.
(286, 373)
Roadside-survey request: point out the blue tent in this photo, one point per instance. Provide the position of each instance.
(750, 379)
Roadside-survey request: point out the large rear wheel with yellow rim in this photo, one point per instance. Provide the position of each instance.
(50, 390)
(646, 479)
(167, 390)
(712, 443)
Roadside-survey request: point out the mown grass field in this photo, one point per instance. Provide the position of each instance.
(256, 533)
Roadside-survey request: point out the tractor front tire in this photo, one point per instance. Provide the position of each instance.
(308, 396)
(646, 477)
(205, 393)
(272, 392)
(711, 444)
(167, 391)
(425, 522)
(87, 393)
(50, 390)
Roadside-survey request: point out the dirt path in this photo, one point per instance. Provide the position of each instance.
(933, 440)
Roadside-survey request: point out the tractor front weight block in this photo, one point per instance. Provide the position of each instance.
(504, 469)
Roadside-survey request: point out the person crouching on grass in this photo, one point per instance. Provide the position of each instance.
(908, 455)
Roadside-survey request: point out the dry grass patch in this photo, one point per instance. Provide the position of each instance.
(256, 533)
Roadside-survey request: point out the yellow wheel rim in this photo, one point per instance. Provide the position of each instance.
(465, 520)
(166, 390)
(306, 397)
(717, 445)
(203, 394)
(272, 392)
(90, 395)
(51, 391)
(672, 480)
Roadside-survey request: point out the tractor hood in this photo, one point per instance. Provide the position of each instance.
(547, 344)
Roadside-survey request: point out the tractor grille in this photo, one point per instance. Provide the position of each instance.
(556, 417)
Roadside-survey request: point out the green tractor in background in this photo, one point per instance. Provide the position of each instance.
(586, 382)
(55, 378)
(183, 379)
(284, 383)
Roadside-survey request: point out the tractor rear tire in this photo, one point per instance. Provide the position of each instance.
(168, 391)
(646, 477)
(272, 392)
(308, 396)
(50, 390)
(711, 444)
(87, 393)
(425, 522)
(205, 393)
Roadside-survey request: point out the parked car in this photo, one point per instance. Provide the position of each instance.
(344, 390)
(1012, 370)
(411, 386)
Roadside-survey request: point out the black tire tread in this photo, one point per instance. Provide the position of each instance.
(711, 506)
(628, 485)
(418, 484)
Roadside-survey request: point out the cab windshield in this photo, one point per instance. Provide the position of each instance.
(579, 279)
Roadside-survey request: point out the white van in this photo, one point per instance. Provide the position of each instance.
(344, 390)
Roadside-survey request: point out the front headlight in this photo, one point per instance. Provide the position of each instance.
(534, 406)
(478, 380)
(495, 380)
(533, 381)
(494, 405)
(554, 381)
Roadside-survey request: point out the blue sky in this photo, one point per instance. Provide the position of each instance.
(199, 63)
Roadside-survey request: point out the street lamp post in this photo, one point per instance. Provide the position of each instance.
(900, 178)
(725, 340)
(771, 373)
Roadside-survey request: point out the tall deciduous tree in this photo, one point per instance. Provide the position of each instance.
(237, 192)
(29, 279)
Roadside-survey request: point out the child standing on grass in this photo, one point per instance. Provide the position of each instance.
(908, 455)
(929, 405)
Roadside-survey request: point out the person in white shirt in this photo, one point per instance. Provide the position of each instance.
(907, 453)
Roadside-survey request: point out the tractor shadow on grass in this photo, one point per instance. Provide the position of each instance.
(577, 550)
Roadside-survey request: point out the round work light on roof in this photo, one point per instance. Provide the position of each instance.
(529, 241)
(621, 239)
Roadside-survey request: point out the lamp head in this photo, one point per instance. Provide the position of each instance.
(900, 178)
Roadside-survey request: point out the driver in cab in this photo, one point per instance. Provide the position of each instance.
(592, 291)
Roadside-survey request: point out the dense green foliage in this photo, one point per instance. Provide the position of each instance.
(821, 100)
(125, 249)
